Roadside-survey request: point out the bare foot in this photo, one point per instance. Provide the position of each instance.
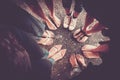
(54, 50)
(48, 34)
(50, 25)
(56, 20)
(73, 61)
(59, 55)
(91, 55)
(80, 35)
(88, 47)
(81, 59)
(45, 41)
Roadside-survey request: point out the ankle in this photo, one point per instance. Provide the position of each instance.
(75, 14)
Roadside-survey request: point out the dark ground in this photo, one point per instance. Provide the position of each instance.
(61, 70)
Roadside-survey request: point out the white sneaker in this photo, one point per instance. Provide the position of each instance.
(73, 24)
(66, 21)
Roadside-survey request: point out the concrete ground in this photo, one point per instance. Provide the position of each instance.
(61, 69)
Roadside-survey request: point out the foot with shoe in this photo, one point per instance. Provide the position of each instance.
(70, 20)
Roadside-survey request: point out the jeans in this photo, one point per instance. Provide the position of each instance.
(67, 5)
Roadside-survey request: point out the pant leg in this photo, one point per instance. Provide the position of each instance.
(41, 68)
(78, 6)
(67, 4)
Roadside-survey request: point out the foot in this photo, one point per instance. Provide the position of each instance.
(72, 24)
(91, 55)
(59, 55)
(54, 50)
(66, 21)
(50, 25)
(73, 61)
(45, 41)
(48, 34)
(80, 35)
(56, 20)
(88, 47)
(81, 60)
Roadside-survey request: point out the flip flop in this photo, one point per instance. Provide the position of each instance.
(54, 50)
(81, 60)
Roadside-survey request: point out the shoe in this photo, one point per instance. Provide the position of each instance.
(54, 50)
(50, 25)
(72, 24)
(59, 55)
(81, 60)
(56, 20)
(66, 21)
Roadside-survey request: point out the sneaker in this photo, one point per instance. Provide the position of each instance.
(73, 24)
(66, 21)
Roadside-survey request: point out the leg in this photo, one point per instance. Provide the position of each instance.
(88, 21)
(97, 27)
(50, 4)
(77, 10)
(35, 7)
(67, 6)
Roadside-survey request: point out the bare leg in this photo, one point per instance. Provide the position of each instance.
(88, 21)
(97, 27)
(49, 4)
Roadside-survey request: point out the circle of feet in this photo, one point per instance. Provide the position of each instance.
(65, 38)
